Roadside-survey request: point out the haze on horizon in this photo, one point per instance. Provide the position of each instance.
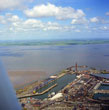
(54, 19)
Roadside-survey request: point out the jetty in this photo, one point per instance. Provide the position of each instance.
(101, 91)
(36, 94)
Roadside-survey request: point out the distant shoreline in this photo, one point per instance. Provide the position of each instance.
(52, 42)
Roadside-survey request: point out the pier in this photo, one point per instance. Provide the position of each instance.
(97, 86)
(76, 66)
(77, 88)
(96, 90)
(30, 95)
(101, 91)
(61, 81)
(61, 75)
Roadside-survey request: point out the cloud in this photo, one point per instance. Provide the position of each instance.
(2, 20)
(104, 21)
(14, 18)
(15, 24)
(94, 20)
(12, 4)
(26, 25)
(31, 21)
(107, 13)
(77, 30)
(79, 21)
(34, 25)
(99, 20)
(50, 10)
(9, 18)
(52, 26)
(104, 28)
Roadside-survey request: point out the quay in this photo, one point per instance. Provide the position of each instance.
(46, 84)
(61, 75)
(36, 89)
(98, 89)
(51, 80)
(62, 80)
(97, 86)
(31, 95)
(79, 89)
(101, 91)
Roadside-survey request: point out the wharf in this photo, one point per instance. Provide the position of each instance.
(31, 95)
(61, 75)
(58, 76)
(97, 86)
(47, 84)
(44, 91)
(101, 91)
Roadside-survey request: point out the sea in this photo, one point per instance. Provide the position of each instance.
(53, 59)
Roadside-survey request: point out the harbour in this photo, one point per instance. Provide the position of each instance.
(61, 82)
(102, 92)
(54, 54)
(69, 85)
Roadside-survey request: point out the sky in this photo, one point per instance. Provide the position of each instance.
(54, 19)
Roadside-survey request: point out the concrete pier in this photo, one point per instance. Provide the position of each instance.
(31, 95)
(101, 91)
(97, 86)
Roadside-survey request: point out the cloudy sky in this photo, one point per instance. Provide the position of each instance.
(53, 19)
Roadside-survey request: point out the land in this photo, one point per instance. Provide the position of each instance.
(53, 42)
(77, 95)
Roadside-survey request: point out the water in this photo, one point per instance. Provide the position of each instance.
(104, 87)
(52, 59)
(100, 95)
(102, 75)
(62, 82)
(47, 86)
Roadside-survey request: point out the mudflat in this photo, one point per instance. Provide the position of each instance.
(20, 78)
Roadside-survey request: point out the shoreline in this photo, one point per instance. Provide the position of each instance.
(20, 79)
(33, 84)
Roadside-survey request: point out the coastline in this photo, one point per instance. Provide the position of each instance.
(20, 78)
